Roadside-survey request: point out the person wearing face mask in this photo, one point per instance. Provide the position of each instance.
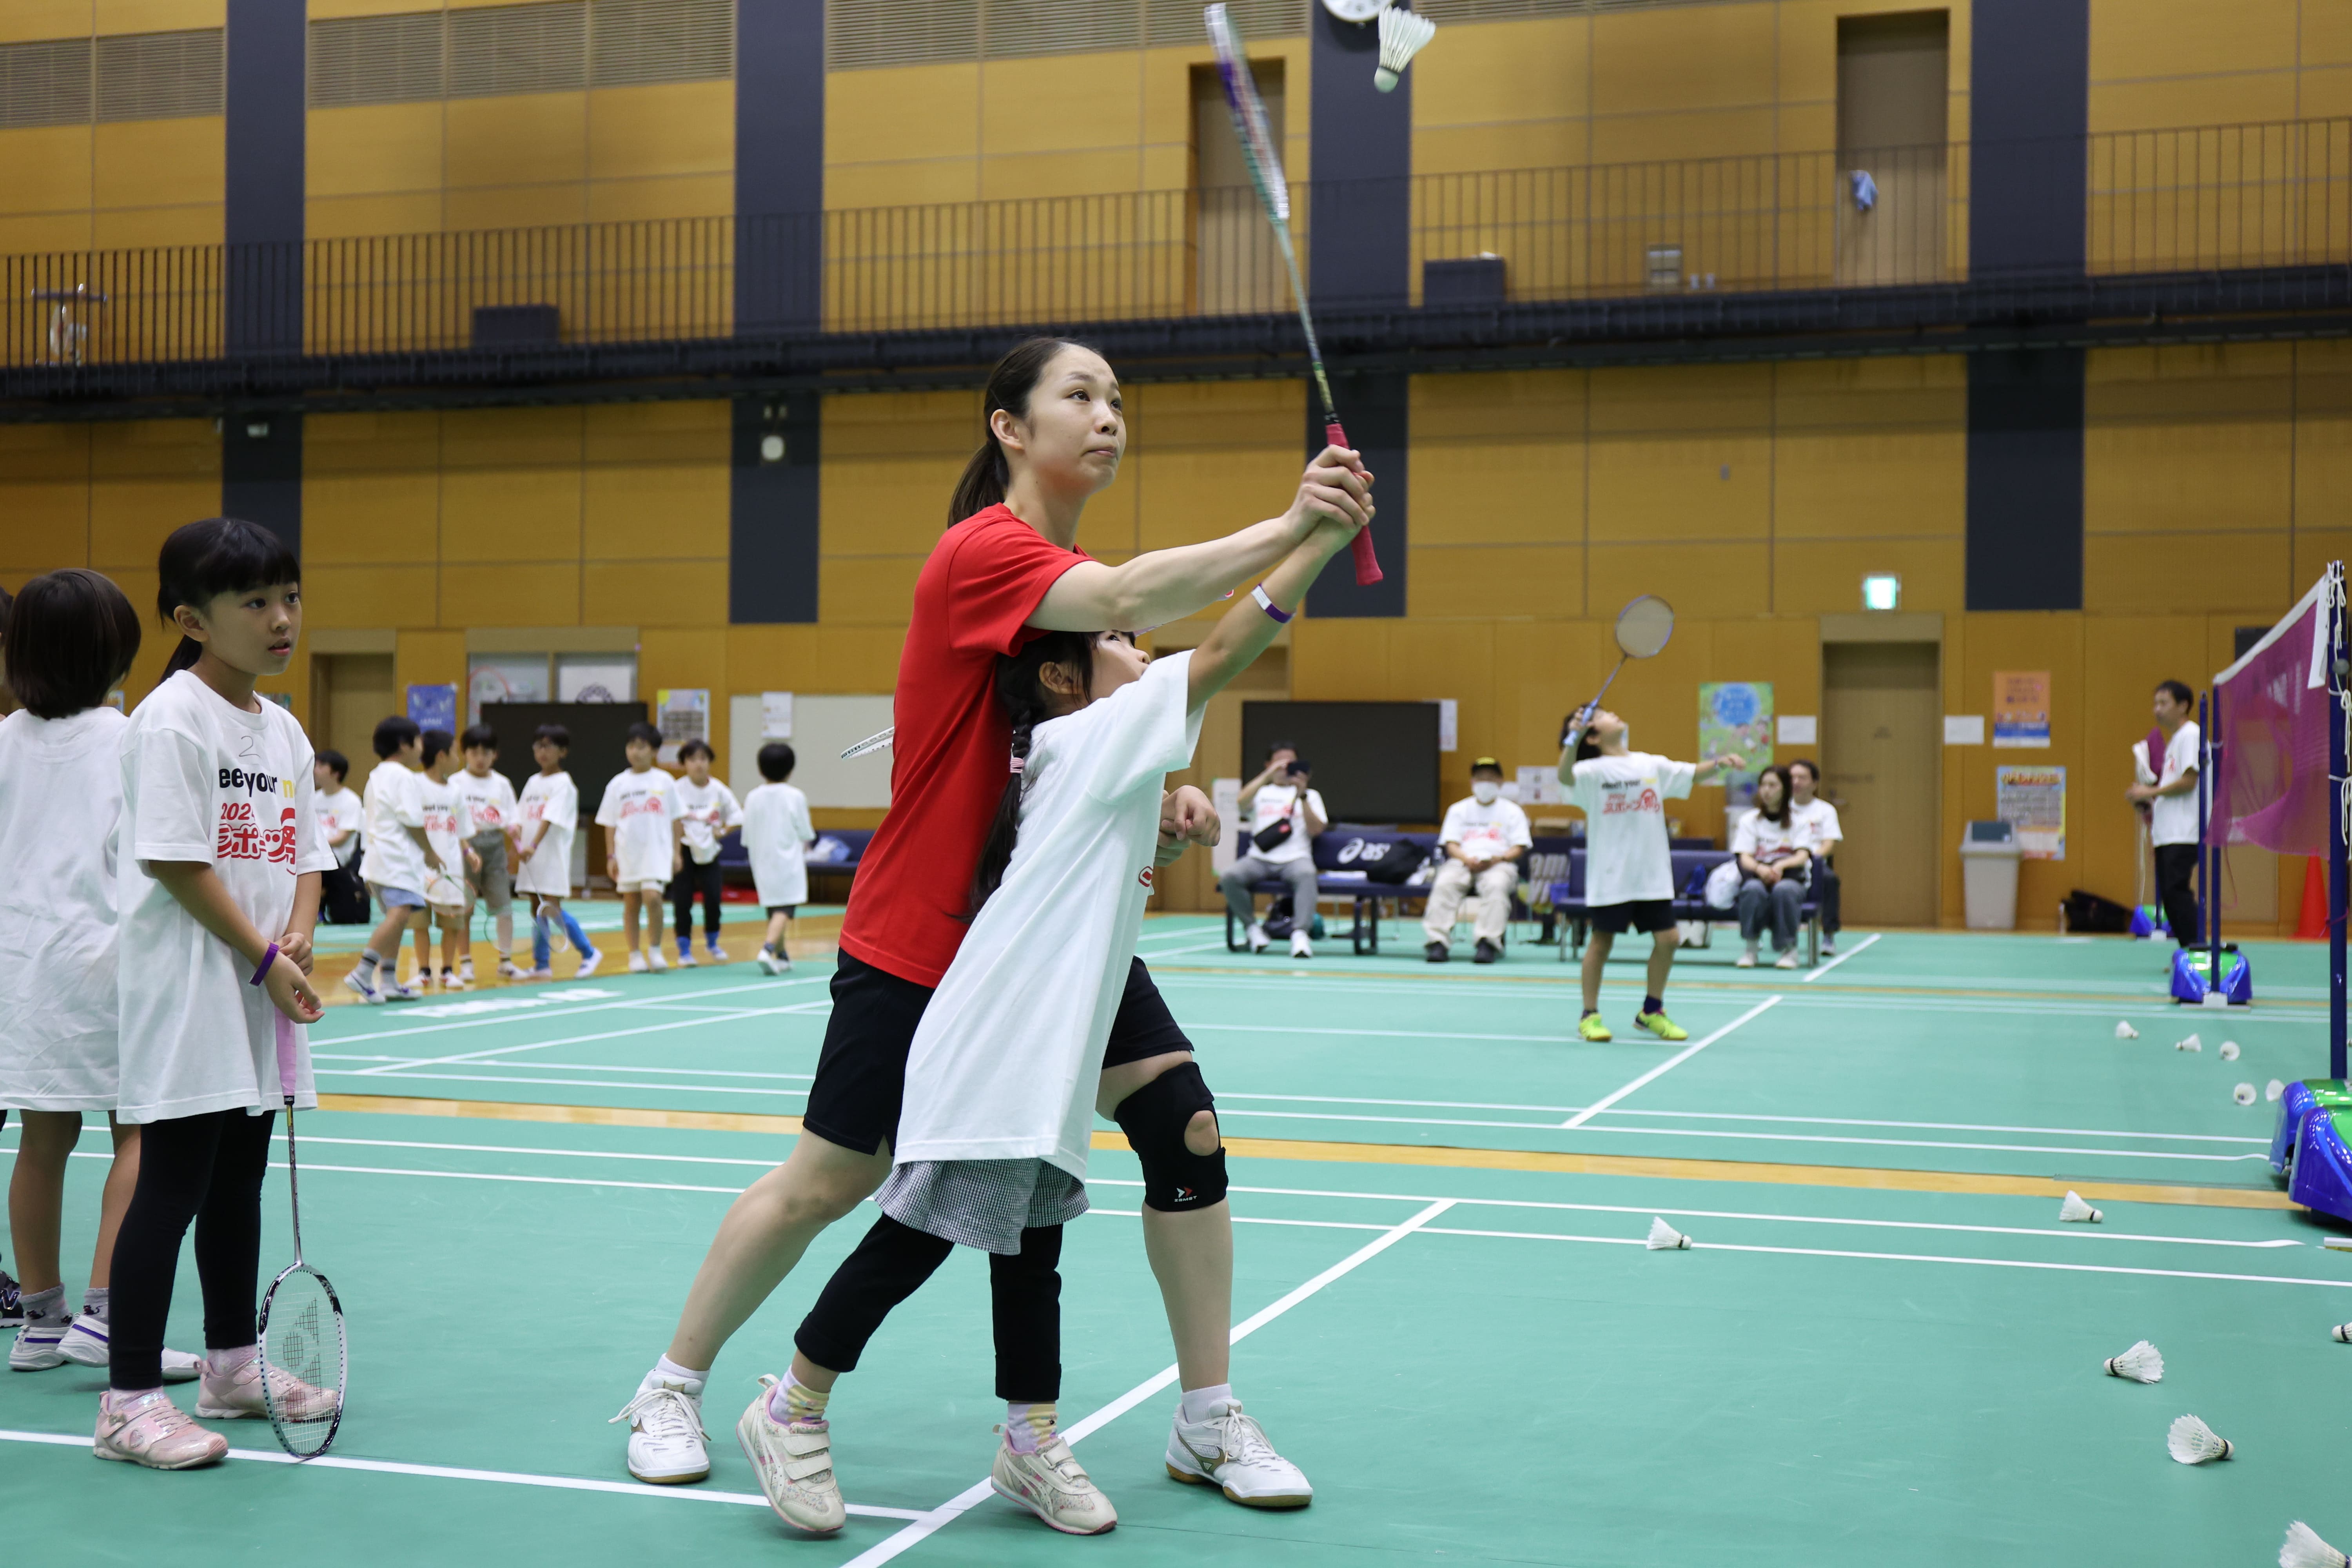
(1482, 840)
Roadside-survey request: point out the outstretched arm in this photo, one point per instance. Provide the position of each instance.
(1247, 629)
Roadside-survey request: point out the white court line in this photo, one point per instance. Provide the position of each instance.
(520, 1014)
(605, 1034)
(558, 1082)
(589, 1066)
(1840, 958)
(453, 1473)
(948, 1511)
(1669, 1065)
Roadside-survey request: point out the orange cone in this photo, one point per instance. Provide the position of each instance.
(2313, 925)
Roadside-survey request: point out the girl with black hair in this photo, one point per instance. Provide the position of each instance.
(1775, 864)
(220, 848)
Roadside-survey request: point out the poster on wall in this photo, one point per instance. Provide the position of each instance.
(1737, 716)
(2021, 707)
(2033, 798)
(434, 707)
(682, 714)
(775, 715)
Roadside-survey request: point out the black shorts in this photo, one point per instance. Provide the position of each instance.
(1634, 914)
(861, 1074)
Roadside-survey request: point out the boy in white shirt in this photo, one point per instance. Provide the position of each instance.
(1482, 840)
(706, 808)
(644, 839)
(777, 836)
(343, 897)
(395, 860)
(2171, 800)
(547, 816)
(1629, 869)
(447, 825)
(1818, 830)
(490, 801)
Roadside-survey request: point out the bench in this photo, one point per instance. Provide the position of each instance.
(1339, 854)
(1692, 867)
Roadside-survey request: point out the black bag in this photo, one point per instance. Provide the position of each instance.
(2084, 912)
(1394, 861)
(1276, 834)
(343, 897)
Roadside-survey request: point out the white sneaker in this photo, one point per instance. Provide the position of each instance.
(713, 953)
(86, 1344)
(770, 964)
(38, 1347)
(1301, 945)
(370, 995)
(666, 1436)
(466, 970)
(453, 980)
(1786, 961)
(1829, 947)
(685, 956)
(400, 992)
(794, 1464)
(588, 964)
(636, 963)
(537, 974)
(509, 970)
(152, 1431)
(660, 960)
(1053, 1485)
(1230, 1450)
(1258, 940)
(237, 1394)
(1746, 959)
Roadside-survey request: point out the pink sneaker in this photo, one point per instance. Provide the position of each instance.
(150, 1430)
(238, 1395)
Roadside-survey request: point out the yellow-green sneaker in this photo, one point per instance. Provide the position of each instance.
(1658, 1024)
(1592, 1029)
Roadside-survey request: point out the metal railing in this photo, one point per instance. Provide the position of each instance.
(2242, 196)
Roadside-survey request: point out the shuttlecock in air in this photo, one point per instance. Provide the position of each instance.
(2243, 1094)
(1665, 1237)
(2191, 1044)
(2229, 1051)
(2141, 1364)
(2073, 1210)
(2303, 1549)
(2192, 1442)
(2273, 1089)
(2124, 1031)
(1403, 33)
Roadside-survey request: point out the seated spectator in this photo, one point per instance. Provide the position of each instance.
(1482, 840)
(1285, 814)
(1773, 866)
(1818, 829)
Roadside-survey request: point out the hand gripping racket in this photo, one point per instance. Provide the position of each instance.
(1644, 626)
(1274, 194)
(304, 1363)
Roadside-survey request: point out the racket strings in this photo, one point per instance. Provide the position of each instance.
(303, 1361)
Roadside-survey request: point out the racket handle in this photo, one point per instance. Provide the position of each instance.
(1367, 564)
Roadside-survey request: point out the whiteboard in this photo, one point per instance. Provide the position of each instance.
(823, 728)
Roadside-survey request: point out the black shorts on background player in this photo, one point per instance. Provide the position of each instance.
(861, 1073)
(1652, 915)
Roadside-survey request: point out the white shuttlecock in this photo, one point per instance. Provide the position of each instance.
(2192, 1442)
(2303, 1549)
(2141, 1364)
(1403, 33)
(2124, 1031)
(2191, 1044)
(1665, 1237)
(2336, 1242)
(2073, 1210)
(2229, 1051)
(2273, 1089)
(2341, 1334)
(2243, 1094)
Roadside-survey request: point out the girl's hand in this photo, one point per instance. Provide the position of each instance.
(523, 853)
(296, 946)
(1336, 487)
(676, 861)
(289, 990)
(612, 867)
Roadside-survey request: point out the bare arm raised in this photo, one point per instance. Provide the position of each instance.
(1247, 629)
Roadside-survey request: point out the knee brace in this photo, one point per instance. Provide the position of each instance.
(1175, 1180)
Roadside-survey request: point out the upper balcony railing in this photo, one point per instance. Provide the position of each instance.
(2265, 195)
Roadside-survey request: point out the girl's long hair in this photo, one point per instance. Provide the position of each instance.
(1010, 385)
(1780, 819)
(1022, 692)
(202, 561)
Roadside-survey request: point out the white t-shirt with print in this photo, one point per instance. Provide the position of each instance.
(394, 804)
(553, 800)
(638, 812)
(489, 800)
(1004, 1062)
(1816, 822)
(1766, 839)
(708, 811)
(1272, 804)
(1626, 857)
(447, 825)
(338, 812)
(206, 781)
(60, 801)
(1486, 832)
(2173, 817)
(776, 835)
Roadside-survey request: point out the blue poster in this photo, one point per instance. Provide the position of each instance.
(434, 707)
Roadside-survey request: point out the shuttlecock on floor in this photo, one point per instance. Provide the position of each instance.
(2141, 1364)
(1665, 1237)
(2073, 1210)
(2192, 1442)
(2124, 1031)
(2303, 1549)
(2341, 1334)
(2243, 1094)
(2336, 1242)
(2273, 1089)
(1402, 33)
(2229, 1051)
(2191, 1044)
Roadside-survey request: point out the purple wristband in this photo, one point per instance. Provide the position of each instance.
(1266, 603)
(268, 959)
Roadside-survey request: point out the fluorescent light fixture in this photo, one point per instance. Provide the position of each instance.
(1882, 591)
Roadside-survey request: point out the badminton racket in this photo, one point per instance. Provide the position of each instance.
(1644, 626)
(874, 743)
(1274, 194)
(304, 1359)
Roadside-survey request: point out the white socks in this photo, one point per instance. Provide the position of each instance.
(46, 1306)
(668, 1371)
(225, 1363)
(1201, 1404)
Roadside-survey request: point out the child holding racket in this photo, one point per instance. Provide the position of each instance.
(216, 893)
(1629, 870)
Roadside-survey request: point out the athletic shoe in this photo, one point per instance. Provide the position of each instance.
(660, 961)
(1301, 945)
(770, 963)
(452, 981)
(153, 1431)
(1590, 1027)
(86, 1344)
(1053, 1485)
(713, 953)
(1829, 947)
(588, 964)
(1746, 959)
(535, 975)
(1487, 953)
(794, 1464)
(237, 1396)
(360, 988)
(636, 963)
(1258, 940)
(38, 1347)
(1437, 952)
(509, 970)
(1786, 961)
(403, 992)
(1230, 1450)
(466, 970)
(12, 1302)
(1658, 1024)
(685, 958)
(666, 1436)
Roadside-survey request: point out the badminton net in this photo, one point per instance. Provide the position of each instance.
(2271, 786)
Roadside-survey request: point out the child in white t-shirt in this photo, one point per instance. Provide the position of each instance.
(490, 801)
(394, 859)
(777, 836)
(344, 898)
(1629, 870)
(705, 810)
(547, 814)
(645, 840)
(447, 827)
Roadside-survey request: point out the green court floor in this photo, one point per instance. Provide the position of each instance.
(1883, 1346)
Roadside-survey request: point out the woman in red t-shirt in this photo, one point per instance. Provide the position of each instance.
(1008, 568)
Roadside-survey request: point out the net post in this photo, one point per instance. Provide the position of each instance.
(2209, 858)
(2339, 766)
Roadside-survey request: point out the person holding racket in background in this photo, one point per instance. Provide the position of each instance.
(220, 848)
(1008, 570)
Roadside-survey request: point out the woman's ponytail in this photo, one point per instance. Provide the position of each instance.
(990, 473)
(1022, 693)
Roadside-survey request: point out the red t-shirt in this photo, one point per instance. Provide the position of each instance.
(951, 757)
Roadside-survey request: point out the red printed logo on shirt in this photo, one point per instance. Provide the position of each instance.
(240, 836)
(277, 844)
(1618, 803)
(643, 805)
(1143, 878)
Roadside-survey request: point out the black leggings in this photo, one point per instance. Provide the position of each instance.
(207, 1169)
(891, 1265)
(696, 876)
(2176, 866)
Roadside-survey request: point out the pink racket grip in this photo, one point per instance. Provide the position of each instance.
(1368, 565)
(284, 1055)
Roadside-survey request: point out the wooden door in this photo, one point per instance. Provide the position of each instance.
(351, 693)
(1893, 88)
(1881, 715)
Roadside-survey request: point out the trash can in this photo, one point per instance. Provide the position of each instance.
(1988, 856)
